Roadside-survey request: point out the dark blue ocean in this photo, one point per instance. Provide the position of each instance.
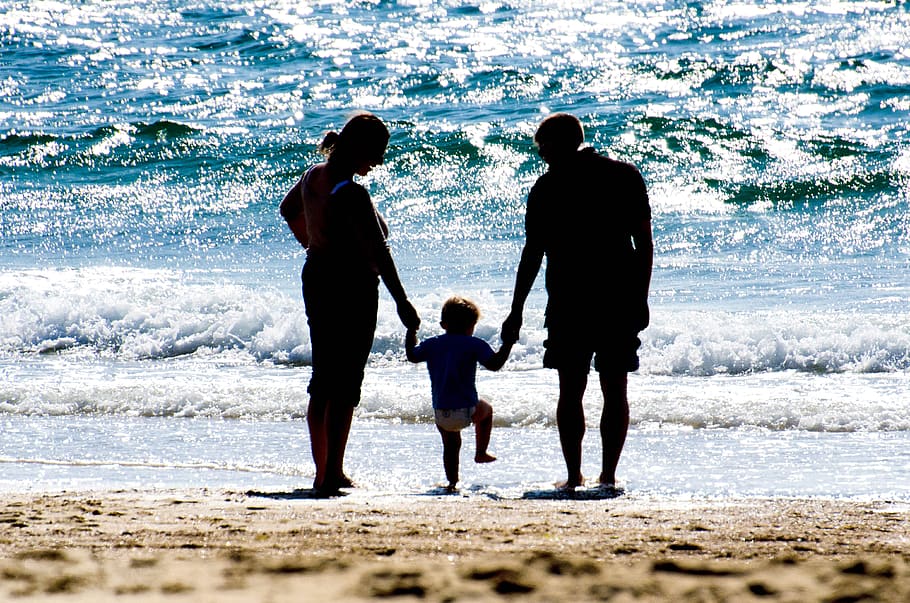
(151, 327)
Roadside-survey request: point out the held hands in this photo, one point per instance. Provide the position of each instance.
(510, 328)
(408, 315)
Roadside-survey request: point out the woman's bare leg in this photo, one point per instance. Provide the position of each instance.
(316, 423)
(338, 427)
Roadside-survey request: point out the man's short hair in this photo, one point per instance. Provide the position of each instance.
(561, 131)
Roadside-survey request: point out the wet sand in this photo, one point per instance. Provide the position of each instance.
(287, 546)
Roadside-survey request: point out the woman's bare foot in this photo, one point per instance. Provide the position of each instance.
(484, 458)
(327, 490)
(345, 482)
(334, 484)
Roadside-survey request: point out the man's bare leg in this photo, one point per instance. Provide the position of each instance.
(570, 420)
(614, 423)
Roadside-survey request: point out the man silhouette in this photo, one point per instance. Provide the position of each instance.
(589, 215)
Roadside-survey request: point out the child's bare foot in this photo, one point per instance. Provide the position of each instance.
(484, 458)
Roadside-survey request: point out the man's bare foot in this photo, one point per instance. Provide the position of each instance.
(610, 490)
(451, 489)
(570, 484)
(605, 480)
(484, 458)
(609, 486)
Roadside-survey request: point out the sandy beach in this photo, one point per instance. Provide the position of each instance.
(206, 545)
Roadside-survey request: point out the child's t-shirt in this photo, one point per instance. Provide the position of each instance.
(452, 364)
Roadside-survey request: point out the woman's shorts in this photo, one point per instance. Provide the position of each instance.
(454, 419)
(341, 314)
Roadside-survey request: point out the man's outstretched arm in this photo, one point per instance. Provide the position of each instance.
(528, 267)
(644, 255)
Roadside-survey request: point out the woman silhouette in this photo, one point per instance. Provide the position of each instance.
(345, 237)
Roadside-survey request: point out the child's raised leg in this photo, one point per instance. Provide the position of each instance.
(451, 449)
(483, 427)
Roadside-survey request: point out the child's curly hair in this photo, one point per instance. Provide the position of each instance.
(459, 313)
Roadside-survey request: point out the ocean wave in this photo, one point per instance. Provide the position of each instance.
(149, 315)
(707, 343)
(111, 154)
(21, 143)
(155, 131)
(230, 387)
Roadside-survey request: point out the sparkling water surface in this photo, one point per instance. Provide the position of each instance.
(149, 292)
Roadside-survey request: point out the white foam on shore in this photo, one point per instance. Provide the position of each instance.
(132, 314)
(104, 453)
(236, 388)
